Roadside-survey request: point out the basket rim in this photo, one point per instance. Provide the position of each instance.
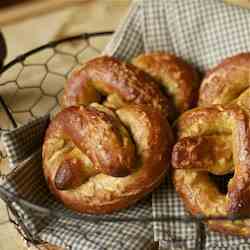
(84, 35)
(22, 57)
(9, 197)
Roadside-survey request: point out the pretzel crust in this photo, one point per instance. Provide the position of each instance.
(120, 82)
(100, 192)
(179, 80)
(199, 194)
(227, 83)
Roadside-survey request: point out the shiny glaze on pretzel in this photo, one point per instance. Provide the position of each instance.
(98, 160)
(120, 83)
(228, 83)
(178, 79)
(215, 140)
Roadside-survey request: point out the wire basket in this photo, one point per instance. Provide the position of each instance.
(31, 86)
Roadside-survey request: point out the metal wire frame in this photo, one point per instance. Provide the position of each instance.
(13, 216)
(40, 211)
(43, 212)
(53, 44)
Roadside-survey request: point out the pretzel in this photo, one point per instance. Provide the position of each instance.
(178, 79)
(99, 160)
(228, 83)
(115, 84)
(214, 140)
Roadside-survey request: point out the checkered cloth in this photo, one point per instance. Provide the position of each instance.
(202, 32)
(29, 136)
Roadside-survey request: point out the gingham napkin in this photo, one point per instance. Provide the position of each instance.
(202, 32)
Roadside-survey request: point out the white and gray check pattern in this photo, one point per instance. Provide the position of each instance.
(165, 201)
(29, 136)
(127, 41)
(202, 32)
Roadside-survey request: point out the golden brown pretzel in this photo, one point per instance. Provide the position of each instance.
(119, 82)
(228, 82)
(98, 160)
(179, 80)
(215, 140)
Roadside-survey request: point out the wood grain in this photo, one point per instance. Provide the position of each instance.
(241, 3)
(29, 9)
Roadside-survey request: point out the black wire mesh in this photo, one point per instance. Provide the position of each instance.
(30, 86)
(41, 73)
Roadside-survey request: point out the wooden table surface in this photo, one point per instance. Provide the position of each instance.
(242, 3)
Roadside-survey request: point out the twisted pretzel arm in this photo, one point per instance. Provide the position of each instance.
(178, 79)
(120, 83)
(211, 153)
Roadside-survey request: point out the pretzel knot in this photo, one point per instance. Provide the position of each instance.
(98, 160)
(115, 84)
(214, 141)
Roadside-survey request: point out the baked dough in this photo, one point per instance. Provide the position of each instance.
(228, 83)
(216, 140)
(116, 82)
(178, 79)
(97, 160)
